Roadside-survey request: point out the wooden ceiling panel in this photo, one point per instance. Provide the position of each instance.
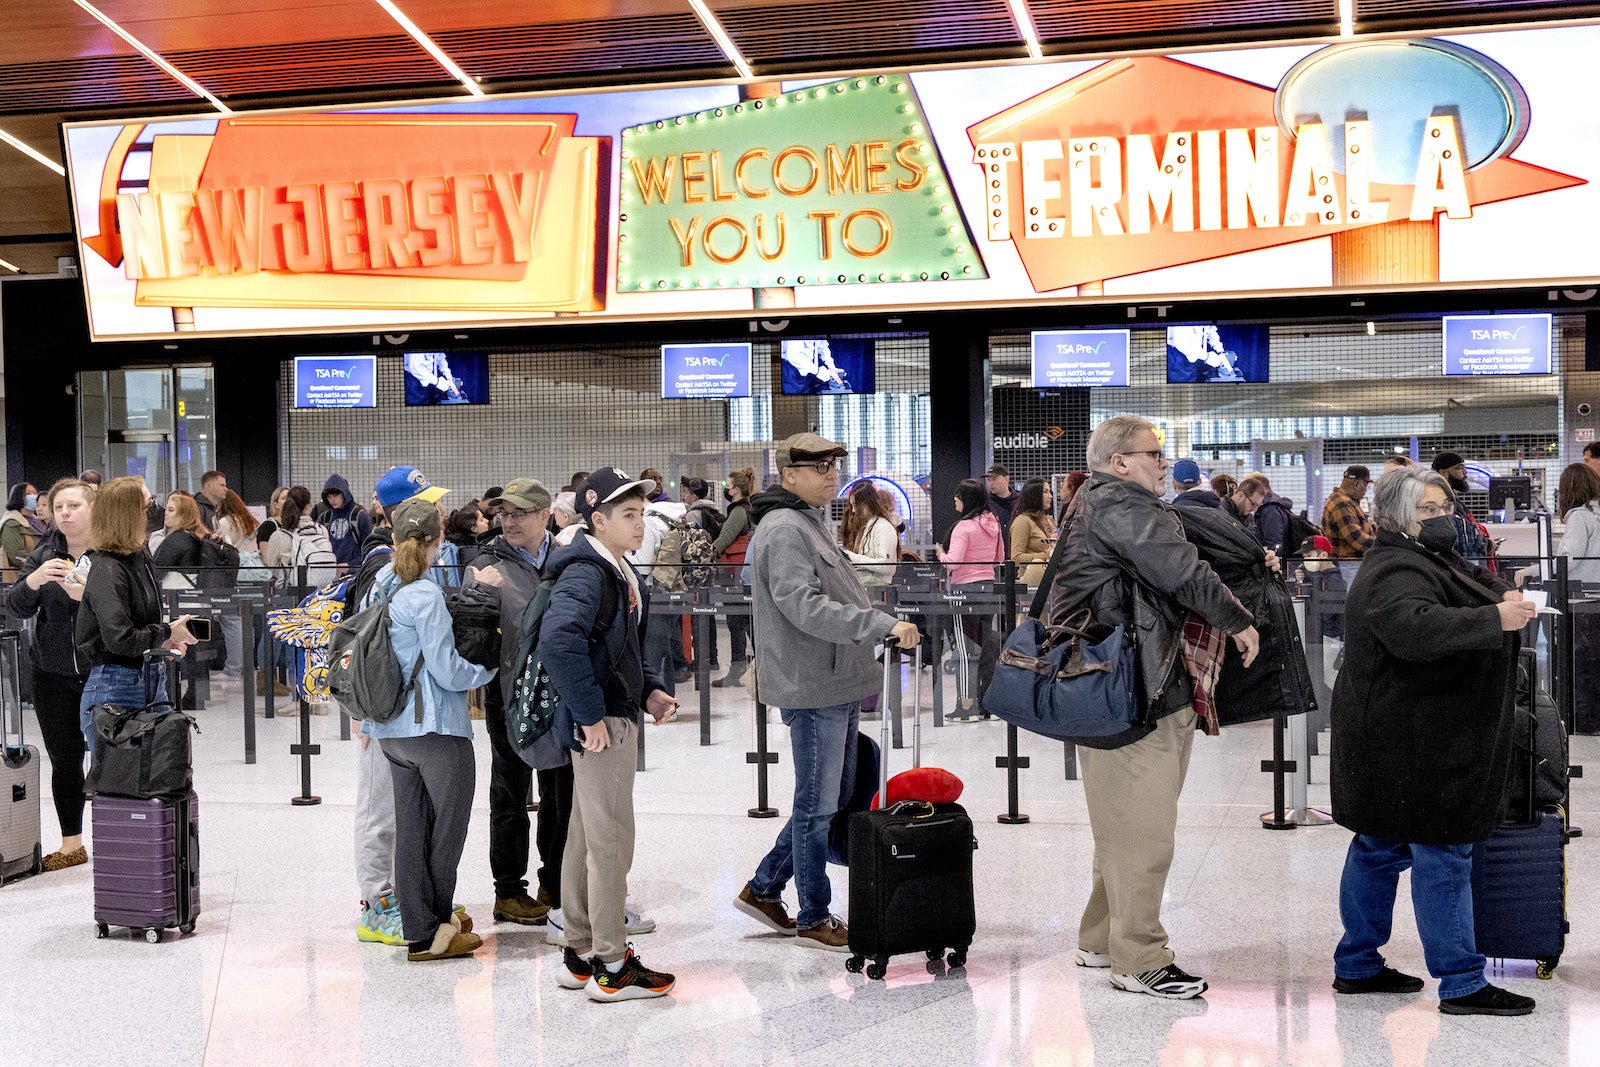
(823, 32)
(1101, 22)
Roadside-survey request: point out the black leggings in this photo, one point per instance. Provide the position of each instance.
(55, 700)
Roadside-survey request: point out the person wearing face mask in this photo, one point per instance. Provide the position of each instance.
(21, 528)
(1471, 543)
(1422, 743)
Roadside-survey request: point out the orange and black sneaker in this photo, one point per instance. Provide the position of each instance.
(574, 971)
(632, 981)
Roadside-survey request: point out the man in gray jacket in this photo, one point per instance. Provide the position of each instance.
(1125, 558)
(815, 637)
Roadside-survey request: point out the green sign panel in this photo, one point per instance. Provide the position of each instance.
(835, 184)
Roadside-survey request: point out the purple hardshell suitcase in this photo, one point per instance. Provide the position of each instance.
(147, 857)
(20, 853)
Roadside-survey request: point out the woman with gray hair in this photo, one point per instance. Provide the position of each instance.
(1422, 731)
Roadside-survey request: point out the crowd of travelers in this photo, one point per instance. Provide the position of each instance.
(1197, 570)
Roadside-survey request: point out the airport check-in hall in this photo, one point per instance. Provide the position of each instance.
(1016, 532)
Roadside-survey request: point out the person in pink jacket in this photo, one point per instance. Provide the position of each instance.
(976, 545)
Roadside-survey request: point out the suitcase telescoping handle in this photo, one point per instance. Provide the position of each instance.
(11, 688)
(169, 658)
(890, 672)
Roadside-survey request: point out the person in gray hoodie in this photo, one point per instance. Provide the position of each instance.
(815, 637)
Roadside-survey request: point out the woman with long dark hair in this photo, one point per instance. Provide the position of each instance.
(1033, 531)
(868, 535)
(1578, 504)
(976, 545)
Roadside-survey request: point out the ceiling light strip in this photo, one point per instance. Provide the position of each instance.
(432, 49)
(35, 153)
(720, 35)
(1024, 21)
(153, 56)
(1347, 18)
(10, 267)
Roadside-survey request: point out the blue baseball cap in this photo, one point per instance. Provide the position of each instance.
(402, 483)
(1186, 472)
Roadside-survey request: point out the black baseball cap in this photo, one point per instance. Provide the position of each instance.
(606, 485)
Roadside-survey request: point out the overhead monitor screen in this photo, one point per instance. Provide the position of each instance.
(1072, 358)
(439, 378)
(335, 381)
(814, 366)
(1213, 353)
(1496, 344)
(705, 371)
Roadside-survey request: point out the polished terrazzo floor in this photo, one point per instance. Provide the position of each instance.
(275, 975)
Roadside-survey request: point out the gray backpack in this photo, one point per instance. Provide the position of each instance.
(363, 672)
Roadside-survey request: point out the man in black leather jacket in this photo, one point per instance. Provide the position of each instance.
(1125, 549)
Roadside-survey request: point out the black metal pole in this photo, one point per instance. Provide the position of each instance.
(1275, 819)
(762, 759)
(247, 658)
(702, 663)
(305, 750)
(1011, 761)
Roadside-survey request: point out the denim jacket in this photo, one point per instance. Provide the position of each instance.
(419, 622)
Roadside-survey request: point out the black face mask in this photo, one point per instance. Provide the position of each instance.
(1457, 484)
(1437, 533)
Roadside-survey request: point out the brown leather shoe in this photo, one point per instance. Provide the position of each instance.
(830, 934)
(769, 913)
(521, 909)
(60, 861)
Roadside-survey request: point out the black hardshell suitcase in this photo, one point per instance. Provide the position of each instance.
(910, 867)
(20, 851)
(1519, 875)
(147, 858)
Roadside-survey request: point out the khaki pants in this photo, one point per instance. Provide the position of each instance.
(594, 868)
(1132, 793)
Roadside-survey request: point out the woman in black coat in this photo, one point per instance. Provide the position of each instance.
(1422, 728)
(1278, 683)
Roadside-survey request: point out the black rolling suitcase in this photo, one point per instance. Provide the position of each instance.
(146, 847)
(1519, 875)
(910, 866)
(20, 853)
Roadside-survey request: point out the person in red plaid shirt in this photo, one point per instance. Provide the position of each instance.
(1345, 525)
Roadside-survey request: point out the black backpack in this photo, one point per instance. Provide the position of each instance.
(219, 563)
(1295, 534)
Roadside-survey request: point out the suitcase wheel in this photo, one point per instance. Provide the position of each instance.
(101, 930)
(853, 964)
(958, 958)
(1547, 967)
(152, 935)
(186, 928)
(935, 953)
(878, 968)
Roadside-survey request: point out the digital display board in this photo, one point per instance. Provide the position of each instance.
(1213, 353)
(1496, 344)
(1064, 359)
(335, 381)
(705, 371)
(445, 378)
(822, 365)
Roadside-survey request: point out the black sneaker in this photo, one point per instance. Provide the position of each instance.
(574, 971)
(1490, 1000)
(1388, 980)
(633, 981)
(1168, 983)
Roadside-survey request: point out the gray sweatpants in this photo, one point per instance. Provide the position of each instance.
(374, 823)
(594, 869)
(434, 779)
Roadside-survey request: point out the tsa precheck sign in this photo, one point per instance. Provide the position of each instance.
(1496, 344)
(1072, 358)
(705, 372)
(335, 381)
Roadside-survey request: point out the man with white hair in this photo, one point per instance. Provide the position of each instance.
(1124, 557)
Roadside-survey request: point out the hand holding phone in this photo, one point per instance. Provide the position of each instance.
(200, 629)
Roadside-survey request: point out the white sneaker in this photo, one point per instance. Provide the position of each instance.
(555, 932)
(1168, 983)
(1085, 958)
(635, 923)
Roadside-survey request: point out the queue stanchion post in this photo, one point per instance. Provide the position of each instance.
(1011, 762)
(1279, 818)
(247, 675)
(1070, 755)
(936, 638)
(702, 614)
(305, 750)
(762, 758)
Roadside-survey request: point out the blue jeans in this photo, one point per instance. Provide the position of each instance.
(823, 741)
(112, 684)
(1441, 896)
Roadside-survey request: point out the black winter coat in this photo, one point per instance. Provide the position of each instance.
(1422, 711)
(1278, 682)
(122, 614)
(1119, 541)
(54, 649)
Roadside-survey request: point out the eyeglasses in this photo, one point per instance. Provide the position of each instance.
(515, 514)
(1433, 511)
(1157, 454)
(825, 466)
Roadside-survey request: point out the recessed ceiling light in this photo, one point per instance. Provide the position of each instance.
(432, 49)
(720, 35)
(29, 150)
(153, 56)
(1024, 21)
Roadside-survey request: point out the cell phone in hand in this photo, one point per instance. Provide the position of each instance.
(200, 629)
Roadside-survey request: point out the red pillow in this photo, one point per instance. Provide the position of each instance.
(933, 784)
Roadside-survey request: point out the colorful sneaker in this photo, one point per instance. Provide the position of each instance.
(1168, 983)
(381, 924)
(830, 934)
(632, 981)
(575, 970)
(769, 913)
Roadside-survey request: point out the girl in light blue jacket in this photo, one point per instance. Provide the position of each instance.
(431, 760)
